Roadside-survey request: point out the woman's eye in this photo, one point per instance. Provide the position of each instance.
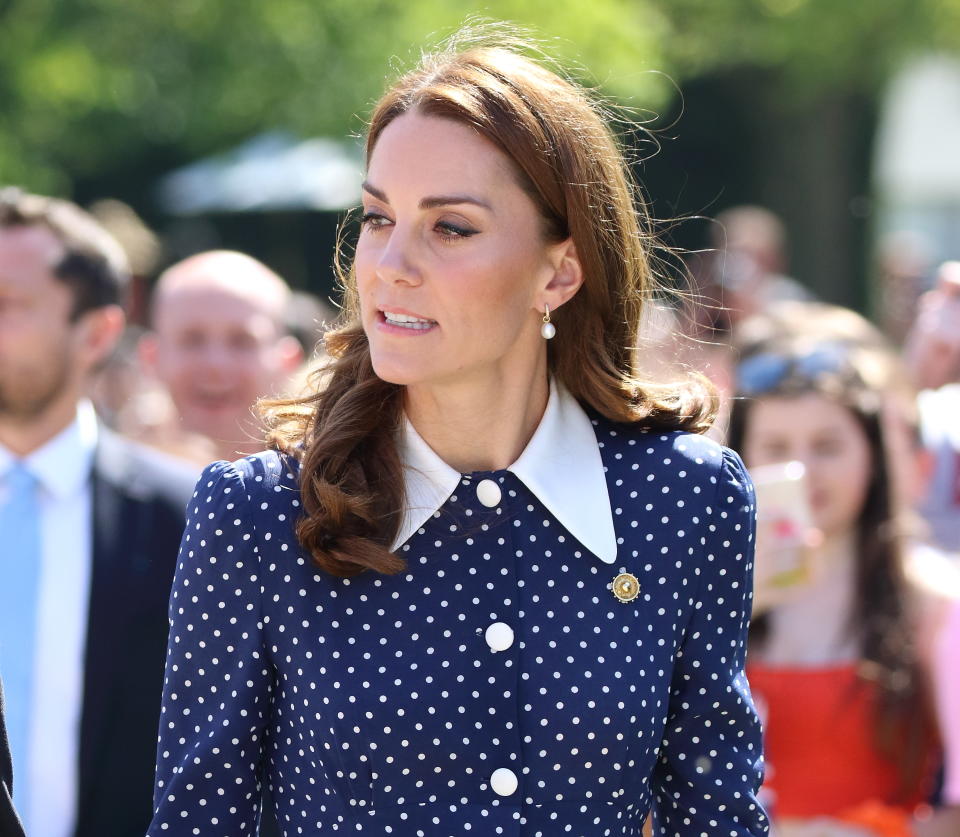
(373, 220)
(775, 451)
(450, 231)
(828, 447)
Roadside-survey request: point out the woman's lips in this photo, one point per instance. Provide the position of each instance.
(397, 321)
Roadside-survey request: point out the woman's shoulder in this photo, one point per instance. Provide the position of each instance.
(253, 499)
(268, 472)
(670, 452)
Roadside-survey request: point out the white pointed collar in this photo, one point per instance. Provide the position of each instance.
(561, 465)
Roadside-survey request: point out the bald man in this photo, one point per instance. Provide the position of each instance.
(219, 343)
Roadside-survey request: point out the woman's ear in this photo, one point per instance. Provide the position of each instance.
(567, 275)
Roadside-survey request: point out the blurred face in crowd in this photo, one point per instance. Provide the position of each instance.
(45, 354)
(827, 439)
(452, 266)
(218, 343)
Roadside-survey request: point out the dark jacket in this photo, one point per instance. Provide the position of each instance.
(9, 822)
(139, 499)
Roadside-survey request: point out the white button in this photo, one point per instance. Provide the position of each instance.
(488, 493)
(504, 781)
(499, 636)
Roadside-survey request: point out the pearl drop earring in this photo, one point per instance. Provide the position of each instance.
(548, 329)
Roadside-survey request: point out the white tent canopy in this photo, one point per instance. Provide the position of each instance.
(917, 162)
(917, 159)
(271, 172)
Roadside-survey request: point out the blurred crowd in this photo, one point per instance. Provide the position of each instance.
(848, 428)
(849, 432)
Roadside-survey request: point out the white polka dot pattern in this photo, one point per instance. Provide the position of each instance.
(385, 705)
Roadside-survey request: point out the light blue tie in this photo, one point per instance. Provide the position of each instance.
(19, 582)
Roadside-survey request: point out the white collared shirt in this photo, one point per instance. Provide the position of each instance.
(62, 467)
(561, 465)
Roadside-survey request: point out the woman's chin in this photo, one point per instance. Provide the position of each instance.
(402, 374)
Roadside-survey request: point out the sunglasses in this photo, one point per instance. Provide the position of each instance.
(767, 371)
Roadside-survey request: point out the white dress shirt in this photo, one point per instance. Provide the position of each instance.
(62, 467)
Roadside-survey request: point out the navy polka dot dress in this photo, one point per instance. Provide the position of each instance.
(502, 685)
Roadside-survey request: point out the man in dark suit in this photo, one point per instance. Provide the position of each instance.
(89, 530)
(9, 822)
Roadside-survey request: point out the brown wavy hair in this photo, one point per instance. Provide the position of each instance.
(880, 621)
(568, 161)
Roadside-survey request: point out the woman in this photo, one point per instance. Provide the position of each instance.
(485, 581)
(841, 664)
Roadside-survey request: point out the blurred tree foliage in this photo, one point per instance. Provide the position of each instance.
(86, 86)
(90, 87)
(815, 46)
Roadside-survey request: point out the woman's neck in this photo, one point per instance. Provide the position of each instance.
(814, 627)
(836, 559)
(479, 427)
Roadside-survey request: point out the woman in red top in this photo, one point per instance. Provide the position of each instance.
(840, 659)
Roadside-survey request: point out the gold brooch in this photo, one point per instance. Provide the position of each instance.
(626, 587)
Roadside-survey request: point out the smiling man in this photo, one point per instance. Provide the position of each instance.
(219, 343)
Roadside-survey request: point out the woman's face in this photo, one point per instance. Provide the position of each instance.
(451, 264)
(827, 439)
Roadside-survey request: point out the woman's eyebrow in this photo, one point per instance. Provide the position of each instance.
(373, 190)
(432, 201)
(445, 200)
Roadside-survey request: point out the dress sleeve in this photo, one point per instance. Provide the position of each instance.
(217, 685)
(710, 764)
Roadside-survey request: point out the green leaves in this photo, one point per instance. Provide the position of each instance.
(87, 86)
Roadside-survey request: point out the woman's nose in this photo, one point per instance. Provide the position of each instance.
(397, 261)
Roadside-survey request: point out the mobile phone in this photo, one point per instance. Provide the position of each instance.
(783, 523)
